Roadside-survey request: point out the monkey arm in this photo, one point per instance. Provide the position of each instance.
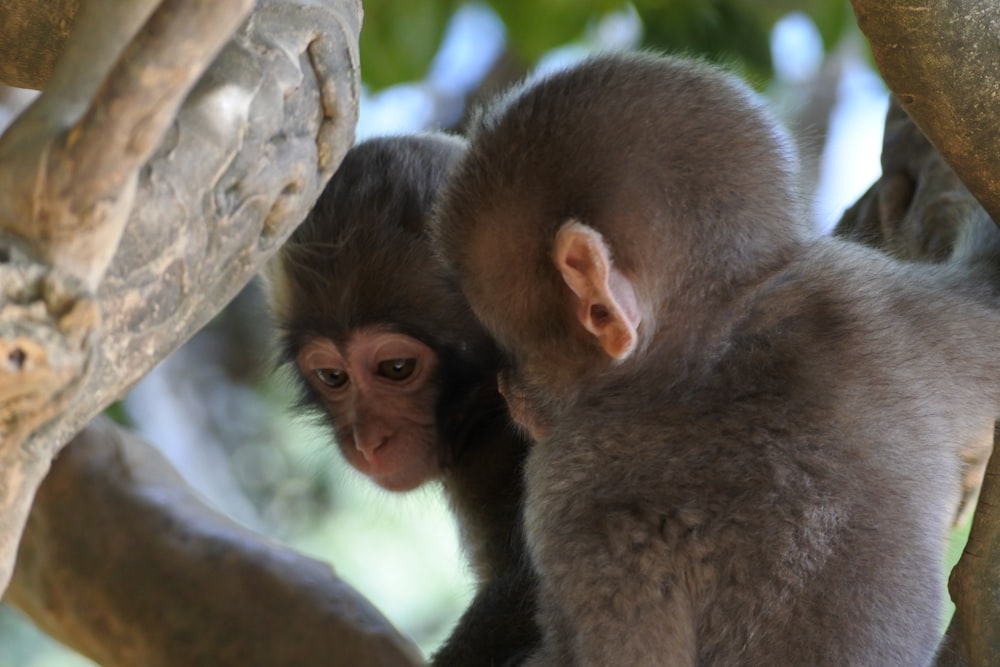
(498, 627)
(123, 563)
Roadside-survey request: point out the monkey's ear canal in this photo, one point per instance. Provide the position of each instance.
(606, 301)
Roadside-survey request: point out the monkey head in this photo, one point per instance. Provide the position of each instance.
(627, 198)
(380, 389)
(385, 346)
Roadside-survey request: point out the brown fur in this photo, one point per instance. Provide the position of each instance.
(362, 260)
(769, 478)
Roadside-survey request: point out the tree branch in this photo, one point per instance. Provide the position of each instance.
(975, 581)
(123, 563)
(940, 58)
(244, 159)
(72, 184)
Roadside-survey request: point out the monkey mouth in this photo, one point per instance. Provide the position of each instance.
(390, 467)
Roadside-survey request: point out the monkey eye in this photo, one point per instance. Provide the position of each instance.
(331, 377)
(397, 369)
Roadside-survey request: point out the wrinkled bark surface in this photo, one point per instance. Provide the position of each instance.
(230, 175)
(122, 562)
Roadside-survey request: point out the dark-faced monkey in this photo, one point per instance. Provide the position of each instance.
(746, 437)
(390, 354)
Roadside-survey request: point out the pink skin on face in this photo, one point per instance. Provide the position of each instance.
(381, 391)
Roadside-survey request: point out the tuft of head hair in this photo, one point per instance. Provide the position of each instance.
(362, 256)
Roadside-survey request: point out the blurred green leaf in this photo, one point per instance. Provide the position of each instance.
(735, 32)
(117, 413)
(399, 39)
(832, 17)
(537, 26)
(725, 31)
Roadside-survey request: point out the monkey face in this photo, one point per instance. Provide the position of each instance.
(380, 389)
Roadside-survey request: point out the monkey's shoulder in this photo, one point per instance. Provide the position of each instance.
(840, 298)
(842, 351)
(872, 349)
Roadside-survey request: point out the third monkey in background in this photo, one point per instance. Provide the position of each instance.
(389, 354)
(747, 437)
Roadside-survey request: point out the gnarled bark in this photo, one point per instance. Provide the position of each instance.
(940, 59)
(231, 174)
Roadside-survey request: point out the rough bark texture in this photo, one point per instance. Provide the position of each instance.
(236, 170)
(975, 581)
(82, 181)
(941, 59)
(122, 562)
(33, 35)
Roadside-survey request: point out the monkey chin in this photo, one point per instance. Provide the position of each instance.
(399, 465)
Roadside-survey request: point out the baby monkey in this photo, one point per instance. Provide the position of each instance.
(389, 354)
(747, 437)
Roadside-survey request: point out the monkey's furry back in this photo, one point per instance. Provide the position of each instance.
(770, 480)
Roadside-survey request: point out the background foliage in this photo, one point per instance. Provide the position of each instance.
(399, 41)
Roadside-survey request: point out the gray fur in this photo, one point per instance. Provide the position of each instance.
(771, 479)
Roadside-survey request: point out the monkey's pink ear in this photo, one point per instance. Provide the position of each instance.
(606, 302)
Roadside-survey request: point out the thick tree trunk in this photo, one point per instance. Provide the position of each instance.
(941, 60)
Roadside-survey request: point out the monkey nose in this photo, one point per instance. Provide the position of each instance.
(369, 438)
